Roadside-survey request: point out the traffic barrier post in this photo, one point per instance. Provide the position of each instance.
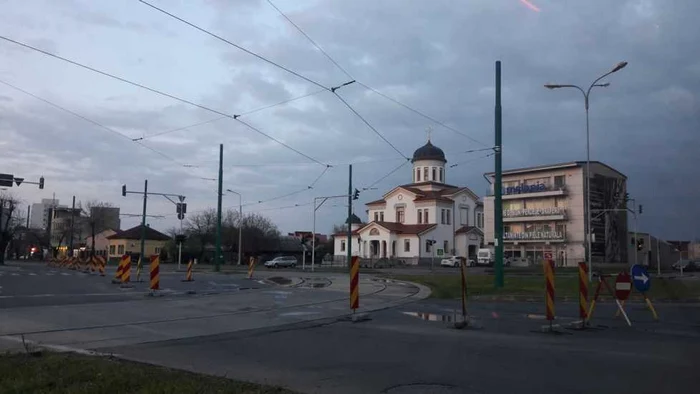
(251, 266)
(155, 273)
(463, 279)
(126, 272)
(138, 271)
(188, 274)
(583, 293)
(549, 293)
(101, 263)
(603, 282)
(120, 268)
(354, 283)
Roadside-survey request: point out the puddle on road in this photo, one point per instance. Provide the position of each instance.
(280, 280)
(315, 283)
(432, 316)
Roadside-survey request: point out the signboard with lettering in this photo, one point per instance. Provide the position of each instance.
(522, 188)
(548, 211)
(535, 235)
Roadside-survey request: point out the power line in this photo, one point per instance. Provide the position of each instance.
(318, 178)
(283, 102)
(154, 91)
(180, 128)
(309, 187)
(235, 45)
(430, 118)
(471, 160)
(369, 125)
(310, 40)
(91, 121)
(387, 175)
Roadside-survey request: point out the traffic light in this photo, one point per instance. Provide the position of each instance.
(41, 182)
(640, 209)
(123, 190)
(356, 194)
(181, 209)
(640, 243)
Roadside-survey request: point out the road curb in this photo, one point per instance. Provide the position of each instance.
(524, 298)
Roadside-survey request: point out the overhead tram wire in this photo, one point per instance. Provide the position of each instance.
(386, 175)
(347, 74)
(332, 89)
(235, 117)
(309, 187)
(234, 44)
(430, 118)
(95, 123)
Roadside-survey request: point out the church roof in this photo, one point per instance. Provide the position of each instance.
(469, 229)
(401, 228)
(428, 152)
(354, 219)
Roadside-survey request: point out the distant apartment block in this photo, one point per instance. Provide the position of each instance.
(39, 217)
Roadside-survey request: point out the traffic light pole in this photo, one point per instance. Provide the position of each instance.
(217, 258)
(313, 233)
(145, 194)
(349, 249)
(498, 182)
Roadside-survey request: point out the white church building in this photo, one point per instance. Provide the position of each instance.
(401, 224)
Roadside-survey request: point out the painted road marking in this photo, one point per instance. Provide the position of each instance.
(65, 274)
(14, 274)
(32, 274)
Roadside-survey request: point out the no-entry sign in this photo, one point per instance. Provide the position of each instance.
(623, 286)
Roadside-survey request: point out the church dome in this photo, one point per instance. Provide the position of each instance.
(428, 152)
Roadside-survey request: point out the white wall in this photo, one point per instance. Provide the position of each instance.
(430, 164)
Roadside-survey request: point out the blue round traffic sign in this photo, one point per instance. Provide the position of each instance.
(640, 278)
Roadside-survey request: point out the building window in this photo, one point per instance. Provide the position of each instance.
(426, 220)
(464, 216)
(420, 216)
(448, 216)
(442, 216)
(374, 231)
(120, 249)
(425, 173)
(407, 245)
(342, 246)
(446, 246)
(417, 174)
(480, 219)
(399, 215)
(434, 174)
(376, 216)
(381, 216)
(364, 247)
(441, 174)
(428, 247)
(559, 181)
(111, 249)
(157, 250)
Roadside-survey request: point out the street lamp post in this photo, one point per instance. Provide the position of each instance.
(240, 224)
(586, 94)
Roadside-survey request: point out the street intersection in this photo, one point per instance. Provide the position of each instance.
(293, 329)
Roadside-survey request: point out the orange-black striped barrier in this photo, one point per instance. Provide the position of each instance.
(126, 271)
(138, 270)
(603, 282)
(583, 293)
(155, 273)
(251, 267)
(463, 278)
(549, 290)
(188, 274)
(354, 283)
(86, 264)
(101, 263)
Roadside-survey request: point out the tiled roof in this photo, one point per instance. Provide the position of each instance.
(403, 228)
(135, 233)
(376, 202)
(467, 229)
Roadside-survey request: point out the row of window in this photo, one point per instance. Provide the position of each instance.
(445, 216)
(559, 181)
(535, 203)
(406, 246)
(120, 249)
(436, 172)
(533, 227)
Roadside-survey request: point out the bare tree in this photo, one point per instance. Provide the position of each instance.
(11, 221)
(97, 218)
(200, 229)
(260, 233)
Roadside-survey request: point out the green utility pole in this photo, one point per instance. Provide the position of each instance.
(349, 246)
(143, 226)
(217, 258)
(498, 203)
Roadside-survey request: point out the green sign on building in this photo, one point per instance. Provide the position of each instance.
(440, 252)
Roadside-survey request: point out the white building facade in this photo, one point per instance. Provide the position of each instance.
(39, 217)
(403, 224)
(544, 211)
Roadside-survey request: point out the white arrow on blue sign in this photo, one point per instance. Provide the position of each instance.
(640, 278)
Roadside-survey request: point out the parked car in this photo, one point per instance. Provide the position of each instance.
(282, 261)
(455, 261)
(688, 265)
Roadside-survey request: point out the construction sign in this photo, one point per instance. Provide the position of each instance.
(354, 283)
(155, 272)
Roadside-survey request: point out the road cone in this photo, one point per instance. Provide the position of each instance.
(188, 274)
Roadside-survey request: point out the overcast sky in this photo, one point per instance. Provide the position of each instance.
(435, 56)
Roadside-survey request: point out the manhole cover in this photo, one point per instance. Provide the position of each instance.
(420, 388)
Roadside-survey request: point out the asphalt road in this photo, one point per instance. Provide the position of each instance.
(297, 334)
(397, 352)
(36, 284)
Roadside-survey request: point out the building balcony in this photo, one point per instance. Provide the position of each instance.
(531, 191)
(535, 236)
(534, 214)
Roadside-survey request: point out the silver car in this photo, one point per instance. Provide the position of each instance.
(282, 261)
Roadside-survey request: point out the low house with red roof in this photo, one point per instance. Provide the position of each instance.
(422, 219)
